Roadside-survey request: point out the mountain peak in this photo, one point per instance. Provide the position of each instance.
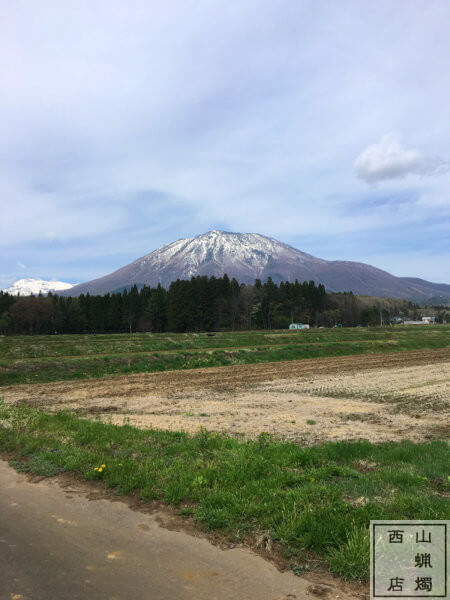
(250, 256)
(29, 286)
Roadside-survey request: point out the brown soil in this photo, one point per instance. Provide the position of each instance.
(378, 397)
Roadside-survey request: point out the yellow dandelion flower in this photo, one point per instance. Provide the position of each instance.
(103, 466)
(95, 468)
(100, 470)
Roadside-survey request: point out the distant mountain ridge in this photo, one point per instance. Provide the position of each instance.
(28, 287)
(248, 256)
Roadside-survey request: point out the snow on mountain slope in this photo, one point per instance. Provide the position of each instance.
(248, 256)
(28, 287)
(248, 253)
(245, 256)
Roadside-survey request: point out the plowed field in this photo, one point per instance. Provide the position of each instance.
(379, 397)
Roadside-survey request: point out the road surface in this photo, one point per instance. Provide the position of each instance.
(57, 543)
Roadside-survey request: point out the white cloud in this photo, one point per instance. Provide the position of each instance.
(389, 159)
(245, 120)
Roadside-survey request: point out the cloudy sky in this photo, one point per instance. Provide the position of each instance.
(127, 125)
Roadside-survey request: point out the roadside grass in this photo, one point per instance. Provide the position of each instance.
(316, 499)
(38, 359)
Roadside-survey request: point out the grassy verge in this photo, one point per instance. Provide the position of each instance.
(317, 499)
(57, 358)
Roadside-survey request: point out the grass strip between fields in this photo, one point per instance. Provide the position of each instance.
(310, 500)
(46, 369)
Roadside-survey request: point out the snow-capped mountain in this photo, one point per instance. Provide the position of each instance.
(28, 287)
(248, 256)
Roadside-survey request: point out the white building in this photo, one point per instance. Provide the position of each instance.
(299, 326)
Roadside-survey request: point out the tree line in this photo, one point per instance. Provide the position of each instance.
(200, 304)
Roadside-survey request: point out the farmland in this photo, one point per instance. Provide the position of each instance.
(287, 442)
(33, 359)
(381, 397)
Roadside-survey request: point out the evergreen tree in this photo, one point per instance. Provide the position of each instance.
(158, 309)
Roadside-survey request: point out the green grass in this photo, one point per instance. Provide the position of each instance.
(35, 359)
(317, 499)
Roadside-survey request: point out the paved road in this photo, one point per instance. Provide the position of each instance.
(56, 543)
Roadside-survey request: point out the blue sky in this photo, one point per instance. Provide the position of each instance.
(124, 126)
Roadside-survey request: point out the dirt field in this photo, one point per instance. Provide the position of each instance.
(378, 397)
